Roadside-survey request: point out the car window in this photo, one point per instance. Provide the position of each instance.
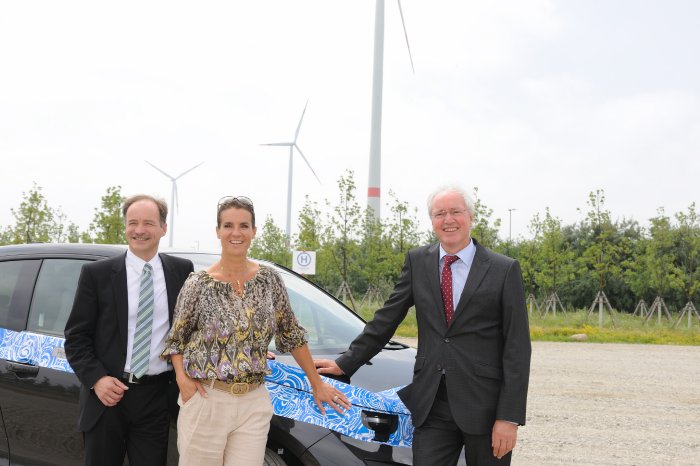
(53, 295)
(200, 260)
(9, 273)
(16, 281)
(331, 326)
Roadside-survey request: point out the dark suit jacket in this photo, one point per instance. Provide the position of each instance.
(484, 353)
(96, 331)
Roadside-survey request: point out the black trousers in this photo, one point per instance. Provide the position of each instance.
(137, 426)
(439, 441)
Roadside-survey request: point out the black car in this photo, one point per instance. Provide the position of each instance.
(39, 391)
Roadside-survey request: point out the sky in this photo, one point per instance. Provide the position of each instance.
(535, 102)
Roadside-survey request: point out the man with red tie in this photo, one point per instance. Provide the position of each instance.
(471, 373)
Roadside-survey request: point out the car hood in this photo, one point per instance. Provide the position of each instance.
(390, 368)
(372, 391)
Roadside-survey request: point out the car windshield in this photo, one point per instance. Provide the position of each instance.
(331, 326)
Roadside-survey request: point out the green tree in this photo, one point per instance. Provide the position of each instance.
(428, 237)
(107, 226)
(485, 232)
(525, 251)
(34, 219)
(637, 273)
(271, 244)
(402, 228)
(64, 231)
(312, 237)
(399, 235)
(310, 227)
(373, 258)
(628, 236)
(601, 254)
(660, 256)
(342, 233)
(5, 236)
(553, 260)
(687, 257)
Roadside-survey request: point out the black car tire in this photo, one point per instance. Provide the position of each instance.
(273, 459)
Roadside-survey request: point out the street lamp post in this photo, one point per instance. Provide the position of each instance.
(510, 223)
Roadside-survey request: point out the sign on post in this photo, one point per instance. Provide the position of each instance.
(304, 262)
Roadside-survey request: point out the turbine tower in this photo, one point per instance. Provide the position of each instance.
(173, 198)
(293, 145)
(375, 144)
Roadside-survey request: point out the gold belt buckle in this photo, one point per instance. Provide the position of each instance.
(239, 388)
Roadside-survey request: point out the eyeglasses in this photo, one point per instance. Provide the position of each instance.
(442, 214)
(226, 200)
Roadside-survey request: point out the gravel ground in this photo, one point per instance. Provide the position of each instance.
(611, 404)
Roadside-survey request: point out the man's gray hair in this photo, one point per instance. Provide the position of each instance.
(453, 188)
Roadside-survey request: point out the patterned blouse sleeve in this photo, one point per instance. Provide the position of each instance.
(185, 317)
(290, 334)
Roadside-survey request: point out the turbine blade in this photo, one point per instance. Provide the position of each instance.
(173, 179)
(308, 164)
(408, 46)
(278, 144)
(296, 134)
(187, 171)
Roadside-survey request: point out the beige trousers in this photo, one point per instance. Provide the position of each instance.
(224, 429)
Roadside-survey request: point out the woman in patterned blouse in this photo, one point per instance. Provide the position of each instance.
(224, 320)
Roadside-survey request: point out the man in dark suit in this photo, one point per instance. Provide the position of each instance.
(472, 368)
(114, 336)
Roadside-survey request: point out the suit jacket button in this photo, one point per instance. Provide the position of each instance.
(439, 367)
(447, 340)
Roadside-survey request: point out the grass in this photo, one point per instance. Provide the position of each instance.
(408, 327)
(627, 329)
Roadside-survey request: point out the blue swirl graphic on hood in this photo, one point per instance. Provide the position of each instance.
(291, 396)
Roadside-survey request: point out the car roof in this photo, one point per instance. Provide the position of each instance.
(42, 249)
(96, 251)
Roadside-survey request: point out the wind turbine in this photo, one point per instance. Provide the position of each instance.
(293, 145)
(173, 198)
(375, 144)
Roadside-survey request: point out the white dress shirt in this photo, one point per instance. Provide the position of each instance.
(161, 323)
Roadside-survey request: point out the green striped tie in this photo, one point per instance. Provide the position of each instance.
(141, 351)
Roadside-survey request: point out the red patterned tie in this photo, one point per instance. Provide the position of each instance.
(446, 288)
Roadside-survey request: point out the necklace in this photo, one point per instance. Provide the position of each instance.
(237, 287)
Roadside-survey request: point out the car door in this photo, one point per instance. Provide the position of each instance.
(4, 448)
(39, 391)
(17, 279)
(4, 319)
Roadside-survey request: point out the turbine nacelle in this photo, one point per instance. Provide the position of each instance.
(174, 200)
(293, 145)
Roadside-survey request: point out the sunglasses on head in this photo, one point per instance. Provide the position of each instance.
(232, 199)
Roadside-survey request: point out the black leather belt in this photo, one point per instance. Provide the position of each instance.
(130, 378)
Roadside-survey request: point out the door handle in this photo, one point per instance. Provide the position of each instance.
(23, 371)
